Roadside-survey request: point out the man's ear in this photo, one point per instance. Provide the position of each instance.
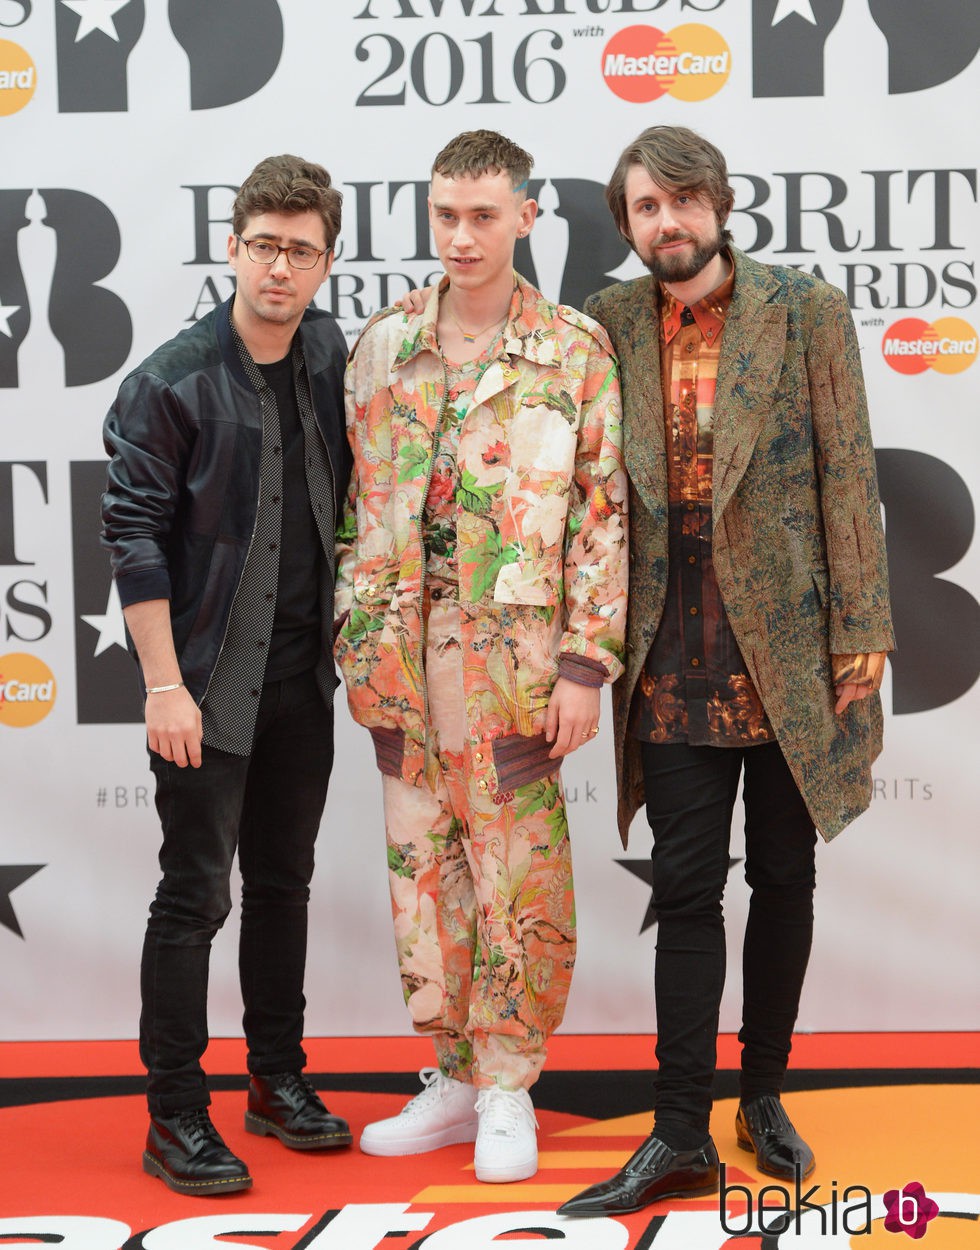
(529, 211)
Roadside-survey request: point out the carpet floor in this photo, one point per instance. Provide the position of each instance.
(885, 1114)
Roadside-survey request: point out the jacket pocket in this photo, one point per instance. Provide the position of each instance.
(527, 583)
(821, 586)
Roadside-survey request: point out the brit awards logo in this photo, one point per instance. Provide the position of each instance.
(56, 246)
(106, 687)
(925, 44)
(232, 48)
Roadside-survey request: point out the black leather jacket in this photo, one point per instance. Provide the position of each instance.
(185, 435)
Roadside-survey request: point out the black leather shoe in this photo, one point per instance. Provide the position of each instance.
(762, 1125)
(287, 1106)
(187, 1153)
(655, 1171)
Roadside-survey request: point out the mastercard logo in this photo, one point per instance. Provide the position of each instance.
(641, 63)
(27, 690)
(18, 78)
(912, 345)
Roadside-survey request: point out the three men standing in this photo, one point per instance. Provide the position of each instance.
(758, 626)
(228, 467)
(481, 589)
(482, 583)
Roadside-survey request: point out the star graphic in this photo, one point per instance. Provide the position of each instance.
(786, 8)
(11, 876)
(95, 15)
(6, 312)
(643, 869)
(111, 624)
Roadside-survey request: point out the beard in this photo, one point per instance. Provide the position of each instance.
(682, 268)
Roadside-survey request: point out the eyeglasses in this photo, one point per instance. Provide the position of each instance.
(264, 252)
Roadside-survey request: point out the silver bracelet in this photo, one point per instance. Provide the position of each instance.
(163, 689)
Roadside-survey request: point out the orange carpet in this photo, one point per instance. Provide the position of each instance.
(881, 1111)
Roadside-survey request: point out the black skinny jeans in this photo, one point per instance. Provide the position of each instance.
(691, 791)
(267, 806)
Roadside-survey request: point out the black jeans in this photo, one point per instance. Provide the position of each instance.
(691, 791)
(267, 805)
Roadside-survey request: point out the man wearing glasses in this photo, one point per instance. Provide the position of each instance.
(229, 463)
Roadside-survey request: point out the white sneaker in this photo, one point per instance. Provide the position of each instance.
(507, 1144)
(443, 1114)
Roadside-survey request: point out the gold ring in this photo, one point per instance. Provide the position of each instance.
(594, 732)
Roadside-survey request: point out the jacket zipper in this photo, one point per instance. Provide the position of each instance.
(422, 556)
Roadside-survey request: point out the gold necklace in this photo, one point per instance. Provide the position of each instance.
(472, 336)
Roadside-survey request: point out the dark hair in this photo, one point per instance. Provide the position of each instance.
(288, 184)
(477, 152)
(677, 159)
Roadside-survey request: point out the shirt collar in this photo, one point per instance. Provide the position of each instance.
(526, 333)
(709, 312)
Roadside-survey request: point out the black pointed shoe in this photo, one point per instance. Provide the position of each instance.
(655, 1171)
(762, 1125)
(187, 1152)
(287, 1106)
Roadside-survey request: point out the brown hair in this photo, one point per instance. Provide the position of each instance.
(288, 184)
(477, 152)
(677, 159)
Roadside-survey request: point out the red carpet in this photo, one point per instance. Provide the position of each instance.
(881, 1112)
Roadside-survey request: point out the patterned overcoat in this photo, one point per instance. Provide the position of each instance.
(798, 545)
(541, 539)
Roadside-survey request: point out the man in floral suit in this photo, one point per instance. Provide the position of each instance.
(482, 592)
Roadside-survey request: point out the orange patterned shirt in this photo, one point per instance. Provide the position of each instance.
(695, 687)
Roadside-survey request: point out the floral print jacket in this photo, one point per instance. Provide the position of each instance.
(540, 522)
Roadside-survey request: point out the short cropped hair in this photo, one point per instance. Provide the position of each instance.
(288, 184)
(677, 159)
(478, 152)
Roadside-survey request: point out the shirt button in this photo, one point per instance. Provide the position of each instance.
(255, 694)
(269, 595)
(260, 643)
(272, 546)
(276, 498)
(478, 757)
(690, 507)
(693, 611)
(695, 662)
(692, 559)
(276, 451)
(481, 785)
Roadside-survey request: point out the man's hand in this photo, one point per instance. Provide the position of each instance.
(413, 302)
(573, 716)
(173, 719)
(856, 676)
(173, 727)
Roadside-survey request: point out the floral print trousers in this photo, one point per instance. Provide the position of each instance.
(481, 893)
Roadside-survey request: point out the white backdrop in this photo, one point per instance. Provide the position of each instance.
(125, 124)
